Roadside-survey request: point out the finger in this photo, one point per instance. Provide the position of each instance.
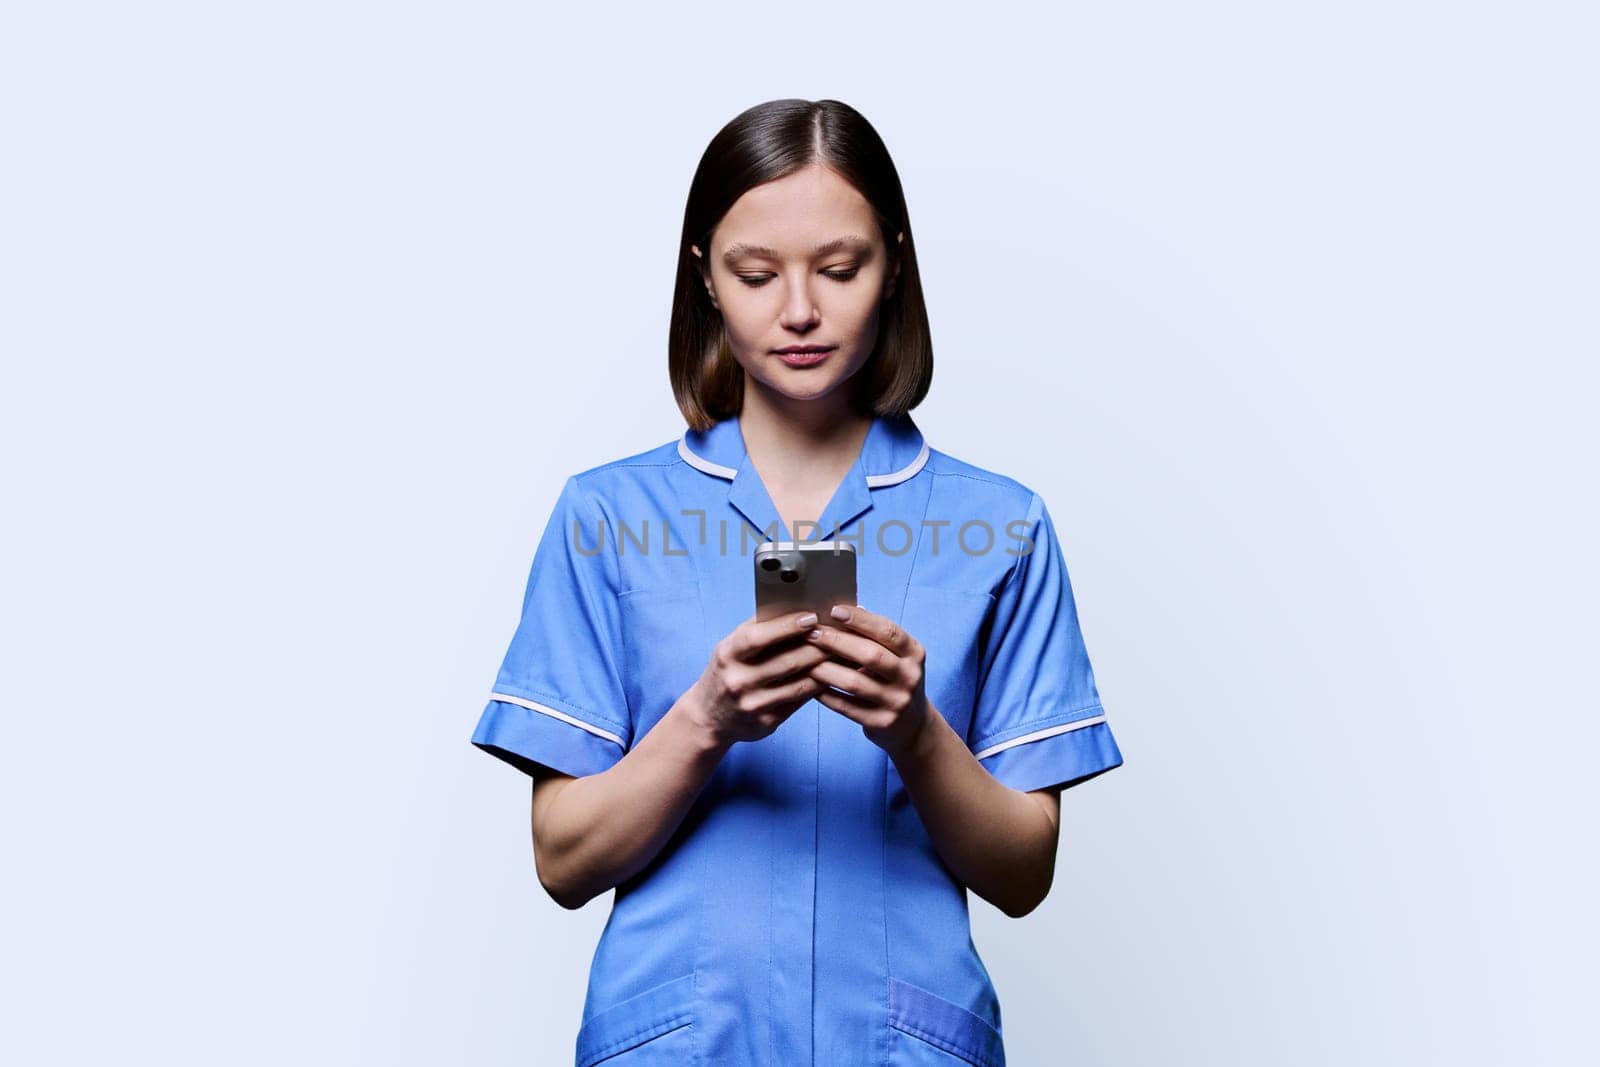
(798, 691)
(793, 661)
(862, 651)
(866, 689)
(753, 638)
(885, 631)
(844, 705)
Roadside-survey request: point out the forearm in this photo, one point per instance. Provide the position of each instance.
(602, 829)
(997, 840)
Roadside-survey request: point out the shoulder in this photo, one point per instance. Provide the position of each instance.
(664, 455)
(979, 489)
(606, 480)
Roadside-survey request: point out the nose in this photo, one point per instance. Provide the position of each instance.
(800, 311)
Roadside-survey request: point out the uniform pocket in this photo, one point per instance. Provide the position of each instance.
(932, 1032)
(653, 1029)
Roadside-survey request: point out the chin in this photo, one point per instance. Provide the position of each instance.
(807, 394)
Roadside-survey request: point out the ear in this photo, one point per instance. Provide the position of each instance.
(705, 275)
(899, 242)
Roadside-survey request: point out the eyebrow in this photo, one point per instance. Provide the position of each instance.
(851, 242)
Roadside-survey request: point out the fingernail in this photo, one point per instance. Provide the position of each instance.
(808, 619)
(840, 612)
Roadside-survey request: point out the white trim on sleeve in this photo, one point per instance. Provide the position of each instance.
(1039, 735)
(523, 702)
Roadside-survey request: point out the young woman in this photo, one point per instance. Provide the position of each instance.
(791, 811)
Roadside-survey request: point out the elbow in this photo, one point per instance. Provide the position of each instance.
(1019, 906)
(563, 897)
(568, 892)
(1026, 895)
(1032, 870)
(557, 887)
(552, 888)
(1015, 899)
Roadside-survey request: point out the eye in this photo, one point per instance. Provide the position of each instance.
(756, 281)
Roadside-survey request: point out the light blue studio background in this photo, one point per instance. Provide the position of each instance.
(1286, 310)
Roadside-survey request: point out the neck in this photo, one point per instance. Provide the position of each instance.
(801, 438)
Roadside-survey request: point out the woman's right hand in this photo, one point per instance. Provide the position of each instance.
(757, 677)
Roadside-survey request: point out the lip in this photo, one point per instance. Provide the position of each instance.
(804, 355)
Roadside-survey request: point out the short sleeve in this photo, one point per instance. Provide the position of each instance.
(558, 698)
(1037, 721)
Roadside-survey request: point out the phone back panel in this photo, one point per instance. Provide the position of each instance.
(824, 575)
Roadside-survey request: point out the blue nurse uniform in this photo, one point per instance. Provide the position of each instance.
(799, 914)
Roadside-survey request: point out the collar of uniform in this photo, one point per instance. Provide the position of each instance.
(892, 452)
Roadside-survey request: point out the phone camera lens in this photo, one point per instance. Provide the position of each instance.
(791, 576)
(771, 563)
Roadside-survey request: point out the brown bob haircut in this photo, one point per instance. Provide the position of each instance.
(765, 143)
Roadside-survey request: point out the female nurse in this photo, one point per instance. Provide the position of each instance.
(791, 812)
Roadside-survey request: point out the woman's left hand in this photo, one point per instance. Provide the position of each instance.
(886, 682)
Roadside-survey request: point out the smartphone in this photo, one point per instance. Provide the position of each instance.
(791, 577)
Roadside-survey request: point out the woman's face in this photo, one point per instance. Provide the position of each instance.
(799, 262)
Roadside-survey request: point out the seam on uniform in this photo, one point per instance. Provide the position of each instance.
(970, 1055)
(816, 848)
(1016, 564)
(663, 587)
(772, 986)
(905, 596)
(700, 1039)
(654, 1030)
(999, 480)
(969, 594)
(591, 503)
(915, 551)
(883, 882)
(591, 472)
(998, 632)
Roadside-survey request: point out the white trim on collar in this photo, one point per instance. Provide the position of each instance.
(704, 464)
(874, 481)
